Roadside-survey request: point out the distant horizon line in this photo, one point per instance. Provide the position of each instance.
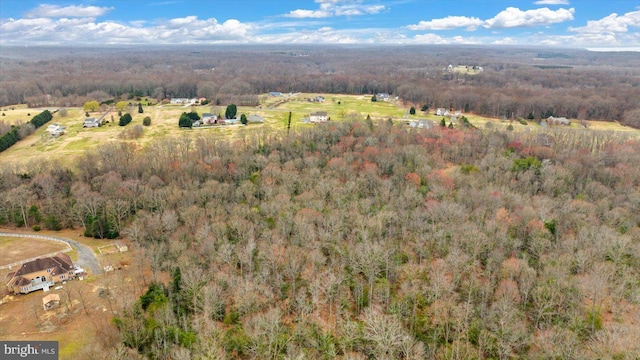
(312, 45)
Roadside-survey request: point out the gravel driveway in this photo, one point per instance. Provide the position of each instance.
(86, 257)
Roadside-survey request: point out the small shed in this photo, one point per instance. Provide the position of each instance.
(51, 301)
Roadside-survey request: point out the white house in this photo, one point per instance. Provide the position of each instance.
(55, 130)
(209, 118)
(558, 121)
(318, 116)
(91, 122)
(183, 101)
(442, 112)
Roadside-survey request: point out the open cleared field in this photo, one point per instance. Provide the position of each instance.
(16, 249)
(16, 114)
(275, 110)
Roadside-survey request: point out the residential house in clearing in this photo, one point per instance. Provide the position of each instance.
(442, 112)
(40, 273)
(318, 116)
(91, 123)
(55, 130)
(275, 93)
(382, 97)
(209, 118)
(551, 120)
(183, 101)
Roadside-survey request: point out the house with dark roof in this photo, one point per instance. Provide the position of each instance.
(41, 273)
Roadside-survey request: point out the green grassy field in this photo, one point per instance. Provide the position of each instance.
(275, 111)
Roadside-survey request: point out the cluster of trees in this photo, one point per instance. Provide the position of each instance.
(584, 85)
(362, 240)
(10, 135)
(187, 119)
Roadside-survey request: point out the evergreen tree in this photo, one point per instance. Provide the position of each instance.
(243, 119)
(412, 111)
(193, 116)
(125, 119)
(231, 111)
(185, 121)
(140, 111)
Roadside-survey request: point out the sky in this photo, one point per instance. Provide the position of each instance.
(592, 24)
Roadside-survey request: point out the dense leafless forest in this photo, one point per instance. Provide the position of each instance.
(353, 239)
(360, 240)
(530, 83)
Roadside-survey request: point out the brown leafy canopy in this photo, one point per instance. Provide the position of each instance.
(348, 240)
(515, 83)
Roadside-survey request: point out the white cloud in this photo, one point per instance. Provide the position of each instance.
(610, 24)
(552, 2)
(330, 8)
(304, 14)
(55, 11)
(513, 17)
(450, 22)
(509, 18)
(187, 30)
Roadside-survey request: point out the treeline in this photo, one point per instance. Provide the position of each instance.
(18, 132)
(361, 240)
(596, 86)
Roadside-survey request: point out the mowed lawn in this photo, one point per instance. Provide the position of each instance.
(339, 107)
(14, 114)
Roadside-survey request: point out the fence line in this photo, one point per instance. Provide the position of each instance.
(44, 237)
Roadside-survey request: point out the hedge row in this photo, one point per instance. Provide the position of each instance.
(10, 138)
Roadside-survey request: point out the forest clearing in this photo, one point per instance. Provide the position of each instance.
(164, 123)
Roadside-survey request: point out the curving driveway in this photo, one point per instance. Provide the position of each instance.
(86, 257)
